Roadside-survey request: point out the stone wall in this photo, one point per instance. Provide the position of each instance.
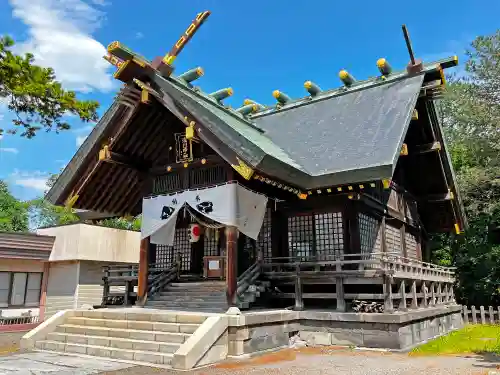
(259, 332)
(263, 331)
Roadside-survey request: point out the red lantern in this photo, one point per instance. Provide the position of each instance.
(194, 232)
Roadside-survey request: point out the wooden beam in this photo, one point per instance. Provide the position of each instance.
(425, 148)
(448, 196)
(112, 157)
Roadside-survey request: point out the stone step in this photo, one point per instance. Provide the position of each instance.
(106, 352)
(173, 337)
(186, 305)
(114, 342)
(193, 293)
(142, 316)
(211, 310)
(166, 297)
(132, 324)
(199, 285)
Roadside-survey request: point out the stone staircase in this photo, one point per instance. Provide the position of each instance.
(206, 296)
(203, 296)
(141, 337)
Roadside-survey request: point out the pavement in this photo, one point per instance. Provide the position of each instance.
(38, 363)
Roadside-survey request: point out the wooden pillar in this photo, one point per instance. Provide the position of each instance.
(339, 290)
(402, 294)
(425, 294)
(388, 303)
(299, 303)
(439, 294)
(231, 263)
(433, 294)
(142, 282)
(414, 296)
(43, 291)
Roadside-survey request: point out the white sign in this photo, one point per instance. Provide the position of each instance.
(213, 265)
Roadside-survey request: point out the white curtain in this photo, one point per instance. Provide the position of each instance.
(229, 204)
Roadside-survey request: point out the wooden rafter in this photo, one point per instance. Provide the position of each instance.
(108, 156)
(448, 196)
(425, 148)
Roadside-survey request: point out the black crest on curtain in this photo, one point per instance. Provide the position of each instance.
(205, 207)
(166, 212)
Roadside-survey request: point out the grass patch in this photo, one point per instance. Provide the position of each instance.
(476, 338)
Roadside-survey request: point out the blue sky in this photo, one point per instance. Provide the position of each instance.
(254, 47)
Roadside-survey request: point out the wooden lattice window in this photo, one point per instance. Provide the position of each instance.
(164, 256)
(201, 177)
(167, 183)
(211, 242)
(318, 234)
(329, 235)
(370, 235)
(301, 236)
(393, 239)
(264, 242)
(183, 246)
(411, 246)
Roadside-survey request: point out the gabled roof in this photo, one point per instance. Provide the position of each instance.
(343, 136)
(337, 138)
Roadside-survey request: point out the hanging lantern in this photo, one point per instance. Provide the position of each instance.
(194, 232)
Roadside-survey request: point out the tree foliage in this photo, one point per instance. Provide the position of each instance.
(471, 115)
(13, 213)
(36, 98)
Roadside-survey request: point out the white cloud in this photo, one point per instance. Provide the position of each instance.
(139, 35)
(80, 139)
(33, 180)
(12, 150)
(60, 36)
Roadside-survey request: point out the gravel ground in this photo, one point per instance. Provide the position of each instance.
(319, 361)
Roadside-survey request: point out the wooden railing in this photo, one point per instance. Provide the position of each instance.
(373, 264)
(248, 277)
(385, 269)
(486, 316)
(127, 276)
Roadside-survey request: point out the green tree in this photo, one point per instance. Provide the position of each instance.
(36, 98)
(13, 213)
(470, 112)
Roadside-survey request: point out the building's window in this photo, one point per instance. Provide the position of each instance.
(33, 289)
(316, 234)
(4, 289)
(329, 233)
(20, 289)
(370, 236)
(300, 236)
(264, 241)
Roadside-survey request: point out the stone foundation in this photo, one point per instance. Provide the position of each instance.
(252, 333)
